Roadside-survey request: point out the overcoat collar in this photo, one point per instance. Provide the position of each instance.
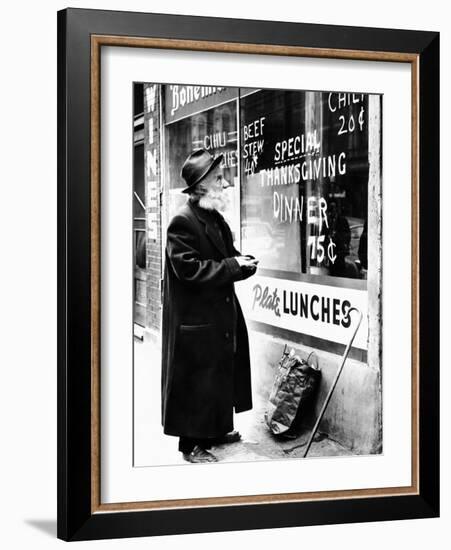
(211, 229)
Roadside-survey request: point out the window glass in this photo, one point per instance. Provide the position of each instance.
(305, 181)
(214, 130)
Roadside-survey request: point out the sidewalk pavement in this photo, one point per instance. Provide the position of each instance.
(152, 447)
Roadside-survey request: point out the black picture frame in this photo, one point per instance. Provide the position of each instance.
(77, 520)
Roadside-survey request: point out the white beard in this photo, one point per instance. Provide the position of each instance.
(214, 200)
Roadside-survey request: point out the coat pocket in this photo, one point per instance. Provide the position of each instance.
(196, 349)
(194, 327)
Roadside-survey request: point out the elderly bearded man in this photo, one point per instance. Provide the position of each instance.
(205, 349)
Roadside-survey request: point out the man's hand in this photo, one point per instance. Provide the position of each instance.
(246, 261)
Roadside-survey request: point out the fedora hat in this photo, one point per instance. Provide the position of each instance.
(197, 166)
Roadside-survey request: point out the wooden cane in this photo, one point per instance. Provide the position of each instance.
(337, 376)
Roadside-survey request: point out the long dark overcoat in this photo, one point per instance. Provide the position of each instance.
(202, 378)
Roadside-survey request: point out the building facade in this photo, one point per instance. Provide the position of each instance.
(305, 169)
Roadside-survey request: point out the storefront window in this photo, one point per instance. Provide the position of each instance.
(304, 194)
(301, 203)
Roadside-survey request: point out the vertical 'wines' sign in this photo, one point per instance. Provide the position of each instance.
(152, 158)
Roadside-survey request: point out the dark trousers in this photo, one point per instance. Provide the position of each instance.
(187, 444)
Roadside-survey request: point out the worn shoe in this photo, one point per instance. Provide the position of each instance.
(231, 437)
(199, 456)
